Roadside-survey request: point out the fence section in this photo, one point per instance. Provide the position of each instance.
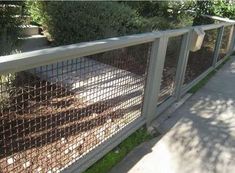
(53, 115)
(64, 108)
(225, 42)
(201, 60)
(168, 82)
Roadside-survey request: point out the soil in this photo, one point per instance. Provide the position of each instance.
(47, 127)
(134, 59)
(198, 62)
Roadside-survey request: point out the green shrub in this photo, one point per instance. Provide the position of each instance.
(36, 11)
(166, 9)
(169, 14)
(72, 22)
(222, 8)
(9, 30)
(161, 23)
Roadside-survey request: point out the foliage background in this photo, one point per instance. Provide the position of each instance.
(9, 30)
(71, 22)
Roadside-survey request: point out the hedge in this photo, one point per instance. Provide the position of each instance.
(72, 22)
(9, 30)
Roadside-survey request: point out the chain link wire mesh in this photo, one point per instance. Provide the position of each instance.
(53, 115)
(201, 60)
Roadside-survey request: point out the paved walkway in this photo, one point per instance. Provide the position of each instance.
(202, 137)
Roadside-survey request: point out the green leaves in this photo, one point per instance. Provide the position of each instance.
(105, 164)
(222, 8)
(73, 22)
(78, 21)
(9, 26)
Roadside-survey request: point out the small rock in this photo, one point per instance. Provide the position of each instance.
(49, 155)
(63, 140)
(151, 130)
(94, 115)
(10, 161)
(26, 164)
(39, 169)
(85, 134)
(66, 151)
(81, 142)
(54, 169)
(109, 120)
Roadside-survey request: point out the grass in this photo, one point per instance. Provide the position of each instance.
(106, 163)
(202, 82)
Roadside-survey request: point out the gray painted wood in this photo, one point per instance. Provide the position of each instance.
(217, 46)
(181, 64)
(152, 91)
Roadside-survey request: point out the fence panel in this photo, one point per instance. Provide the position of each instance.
(201, 60)
(232, 43)
(170, 68)
(225, 42)
(53, 115)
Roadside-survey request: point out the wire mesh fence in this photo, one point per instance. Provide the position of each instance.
(56, 114)
(53, 115)
(201, 60)
(225, 43)
(170, 68)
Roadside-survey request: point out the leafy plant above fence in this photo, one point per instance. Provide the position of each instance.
(73, 22)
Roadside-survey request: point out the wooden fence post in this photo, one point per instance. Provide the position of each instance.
(155, 71)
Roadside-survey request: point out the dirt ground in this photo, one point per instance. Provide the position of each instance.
(46, 127)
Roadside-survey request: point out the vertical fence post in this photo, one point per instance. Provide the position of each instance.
(232, 40)
(182, 63)
(217, 46)
(155, 71)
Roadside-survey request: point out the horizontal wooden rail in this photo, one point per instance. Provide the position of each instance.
(23, 61)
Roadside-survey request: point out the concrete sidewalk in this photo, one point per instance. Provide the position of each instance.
(202, 137)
